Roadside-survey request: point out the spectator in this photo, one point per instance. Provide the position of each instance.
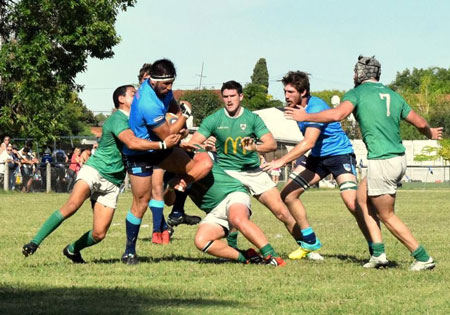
(60, 159)
(4, 156)
(46, 158)
(4, 144)
(74, 167)
(27, 169)
(85, 154)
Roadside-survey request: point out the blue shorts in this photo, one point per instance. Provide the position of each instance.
(142, 165)
(336, 165)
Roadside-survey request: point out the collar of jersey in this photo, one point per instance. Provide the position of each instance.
(125, 113)
(234, 117)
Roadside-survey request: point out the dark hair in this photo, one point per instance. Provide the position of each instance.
(120, 91)
(298, 79)
(231, 85)
(145, 69)
(163, 68)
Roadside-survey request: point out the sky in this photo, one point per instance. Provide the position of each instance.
(323, 38)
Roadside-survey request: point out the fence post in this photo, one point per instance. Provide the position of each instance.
(126, 181)
(48, 175)
(6, 177)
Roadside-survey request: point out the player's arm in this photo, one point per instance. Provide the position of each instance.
(165, 129)
(330, 115)
(307, 143)
(422, 125)
(267, 144)
(134, 143)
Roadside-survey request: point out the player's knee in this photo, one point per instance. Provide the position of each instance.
(200, 241)
(98, 236)
(385, 215)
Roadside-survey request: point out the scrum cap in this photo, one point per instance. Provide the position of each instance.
(367, 68)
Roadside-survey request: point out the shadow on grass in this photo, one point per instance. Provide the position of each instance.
(82, 300)
(171, 258)
(358, 261)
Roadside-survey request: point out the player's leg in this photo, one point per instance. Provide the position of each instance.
(179, 162)
(160, 234)
(103, 216)
(208, 240)
(300, 180)
(140, 171)
(178, 216)
(382, 179)
(238, 216)
(80, 193)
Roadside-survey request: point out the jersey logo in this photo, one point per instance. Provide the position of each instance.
(243, 126)
(222, 127)
(234, 144)
(159, 118)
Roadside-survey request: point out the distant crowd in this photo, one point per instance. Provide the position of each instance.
(27, 170)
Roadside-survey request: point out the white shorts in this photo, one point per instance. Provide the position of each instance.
(275, 172)
(256, 180)
(383, 176)
(102, 190)
(219, 215)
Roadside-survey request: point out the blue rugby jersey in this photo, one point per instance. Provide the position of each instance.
(148, 111)
(332, 140)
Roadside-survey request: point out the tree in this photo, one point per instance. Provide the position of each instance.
(204, 103)
(45, 44)
(260, 74)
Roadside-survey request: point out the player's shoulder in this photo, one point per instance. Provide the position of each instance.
(316, 104)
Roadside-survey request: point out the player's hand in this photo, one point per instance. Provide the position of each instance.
(248, 144)
(177, 183)
(184, 132)
(210, 144)
(172, 140)
(268, 166)
(189, 147)
(436, 133)
(297, 113)
(186, 109)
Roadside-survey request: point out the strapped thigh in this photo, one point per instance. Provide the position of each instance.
(299, 180)
(207, 246)
(348, 185)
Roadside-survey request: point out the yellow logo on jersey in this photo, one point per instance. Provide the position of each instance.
(234, 144)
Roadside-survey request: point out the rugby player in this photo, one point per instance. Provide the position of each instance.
(378, 111)
(100, 178)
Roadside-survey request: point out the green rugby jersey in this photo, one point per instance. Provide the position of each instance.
(228, 132)
(107, 159)
(211, 190)
(378, 111)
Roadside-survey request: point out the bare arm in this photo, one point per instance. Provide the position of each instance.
(308, 142)
(330, 115)
(422, 125)
(268, 144)
(134, 143)
(197, 138)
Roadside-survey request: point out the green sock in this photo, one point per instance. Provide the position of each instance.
(84, 241)
(420, 254)
(378, 249)
(232, 239)
(53, 221)
(241, 258)
(268, 250)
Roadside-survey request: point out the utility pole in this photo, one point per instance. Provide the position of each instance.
(201, 77)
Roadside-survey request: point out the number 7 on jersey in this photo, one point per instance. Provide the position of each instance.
(388, 102)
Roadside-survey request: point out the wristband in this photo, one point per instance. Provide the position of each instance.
(162, 145)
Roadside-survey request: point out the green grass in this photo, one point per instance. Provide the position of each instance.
(179, 279)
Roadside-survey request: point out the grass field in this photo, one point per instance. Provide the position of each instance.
(178, 279)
